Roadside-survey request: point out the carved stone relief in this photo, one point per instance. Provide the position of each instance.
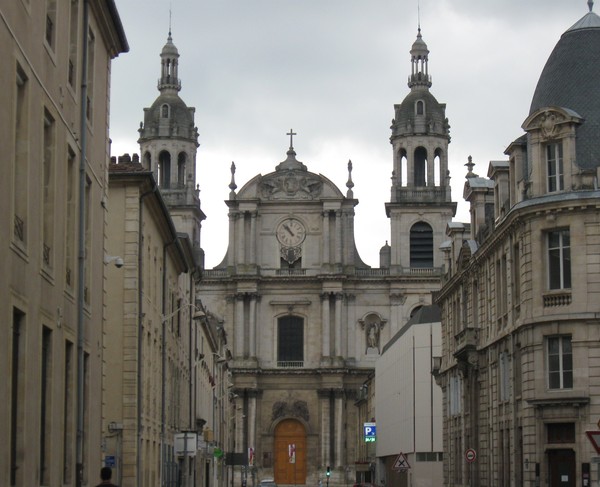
(291, 185)
(297, 409)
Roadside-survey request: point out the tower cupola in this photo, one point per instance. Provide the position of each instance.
(419, 56)
(169, 59)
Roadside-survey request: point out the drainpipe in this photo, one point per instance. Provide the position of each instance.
(192, 364)
(164, 362)
(81, 256)
(140, 337)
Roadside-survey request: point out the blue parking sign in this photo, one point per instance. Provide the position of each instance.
(370, 431)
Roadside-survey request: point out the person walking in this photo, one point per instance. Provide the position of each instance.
(105, 476)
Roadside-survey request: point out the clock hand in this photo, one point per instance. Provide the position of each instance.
(289, 230)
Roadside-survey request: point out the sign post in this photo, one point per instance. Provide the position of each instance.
(401, 463)
(594, 437)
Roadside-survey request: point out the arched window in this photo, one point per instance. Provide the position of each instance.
(164, 111)
(181, 160)
(437, 168)
(401, 177)
(421, 245)
(290, 341)
(164, 169)
(420, 167)
(420, 108)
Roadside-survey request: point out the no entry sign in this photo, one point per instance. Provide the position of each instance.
(470, 455)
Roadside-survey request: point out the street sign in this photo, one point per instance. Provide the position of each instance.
(370, 432)
(110, 461)
(594, 437)
(470, 455)
(185, 443)
(401, 463)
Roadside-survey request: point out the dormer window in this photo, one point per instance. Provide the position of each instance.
(554, 166)
(164, 111)
(420, 108)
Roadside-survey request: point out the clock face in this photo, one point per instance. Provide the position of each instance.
(290, 232)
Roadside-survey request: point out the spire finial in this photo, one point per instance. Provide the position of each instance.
(232, 185)
(349, 183)
(419, 16)
(291, 133)
(470, 165)
(591, 4)
(170, 20)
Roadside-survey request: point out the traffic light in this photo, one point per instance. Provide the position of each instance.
(328, 471)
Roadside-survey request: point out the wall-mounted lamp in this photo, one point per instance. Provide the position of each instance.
(114, 258)
(436, 365)
(113, 427)
(199, 314)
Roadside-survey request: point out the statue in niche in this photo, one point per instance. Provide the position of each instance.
(373, 336)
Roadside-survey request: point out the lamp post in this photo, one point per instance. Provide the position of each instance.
(222, 396)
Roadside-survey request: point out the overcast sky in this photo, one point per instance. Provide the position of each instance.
(332, 70)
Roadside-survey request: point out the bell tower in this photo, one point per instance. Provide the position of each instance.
(168, 145)
(420, 203)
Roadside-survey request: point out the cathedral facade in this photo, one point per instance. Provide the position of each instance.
(306, 318)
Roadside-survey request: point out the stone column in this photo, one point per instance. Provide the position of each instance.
(252, 257)
(252, 324)
(350, 318)
(325, 427)
(233, 215)
(339, 428)
(252, 420)
(239, 424)
(338, 324)
(325, 327)
(239, 325)
(338, 237)
(239, 237)
(326, 238)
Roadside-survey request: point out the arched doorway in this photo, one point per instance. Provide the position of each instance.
(287, 433)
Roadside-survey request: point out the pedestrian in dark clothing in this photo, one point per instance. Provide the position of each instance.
(106, 475)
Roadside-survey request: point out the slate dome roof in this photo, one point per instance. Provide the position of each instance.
(405, 111)
(169, 48)
(570, 79)
(180, 113)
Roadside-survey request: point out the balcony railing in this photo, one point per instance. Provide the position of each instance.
(557, 299)
(290, 272)
(290, 364)
(375, 272)
(465, 340)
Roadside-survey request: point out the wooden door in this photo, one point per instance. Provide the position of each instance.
(290, 432)
(561, 465)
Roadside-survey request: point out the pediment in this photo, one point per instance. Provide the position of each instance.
(293, 184)
(549, 120)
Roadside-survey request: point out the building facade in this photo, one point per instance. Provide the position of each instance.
(54, 118)
(520, 298)
(166, 418)
(409, 404)
(306, 318)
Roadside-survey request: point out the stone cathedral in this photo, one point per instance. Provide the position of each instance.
(305, 317)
